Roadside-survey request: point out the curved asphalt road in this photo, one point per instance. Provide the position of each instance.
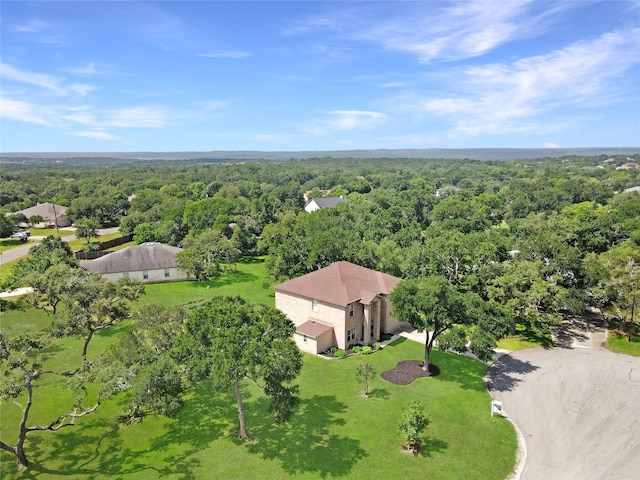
(576, 406)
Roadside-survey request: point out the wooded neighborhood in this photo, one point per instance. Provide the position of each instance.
(234, 297)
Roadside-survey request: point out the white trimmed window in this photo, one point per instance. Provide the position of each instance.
(351, 310)
(314, 305)
(145, 274)
(167, 273)
(351, 335)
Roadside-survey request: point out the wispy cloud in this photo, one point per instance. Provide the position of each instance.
(24, 112)
(436, 31)
(32, 25)
(42, 80)
(138, 117)
(225, 54)
(98, 135)
(91, 69)
(51, 83)
(346, 120)
(507, 97)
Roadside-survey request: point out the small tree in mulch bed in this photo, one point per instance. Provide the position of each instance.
(413, 422)
(365, 373)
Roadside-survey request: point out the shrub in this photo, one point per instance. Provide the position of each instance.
(356, 349)
(367, 350)
(340, 353)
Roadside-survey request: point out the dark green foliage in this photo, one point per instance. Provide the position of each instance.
(229, 340)
(51, 251)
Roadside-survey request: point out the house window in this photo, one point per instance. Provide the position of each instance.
(145, 274)
(314, 305)
(304, 339)
(166, 273)
(351, 310)
(125, 274)
(351, 335)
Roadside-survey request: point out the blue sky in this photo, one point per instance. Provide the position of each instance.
(316, 75)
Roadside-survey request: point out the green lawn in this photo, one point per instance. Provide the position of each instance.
(335, 431)
(617, 342)
(525, 339)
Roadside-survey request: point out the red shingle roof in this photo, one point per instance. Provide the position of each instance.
(340, 284)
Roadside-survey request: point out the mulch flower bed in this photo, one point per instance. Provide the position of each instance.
(407, 371)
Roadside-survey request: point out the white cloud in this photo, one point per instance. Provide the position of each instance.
(350, 119)
(508, 97)
(436, 31)
(23, 112)
(98, 135)
(81, 88)
(136, 117)
(50, 83)
(345, 120)
(33, 25)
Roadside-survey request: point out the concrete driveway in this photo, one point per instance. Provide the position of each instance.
(576, 406)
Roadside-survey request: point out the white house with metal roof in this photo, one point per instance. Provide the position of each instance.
(323, 202)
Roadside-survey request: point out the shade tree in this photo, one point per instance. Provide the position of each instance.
(229, 341)
(95, 304)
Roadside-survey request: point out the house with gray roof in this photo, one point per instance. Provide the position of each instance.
(150, 262)
(339, 305)
(323, 202)
(53, 215)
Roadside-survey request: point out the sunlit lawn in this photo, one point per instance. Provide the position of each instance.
(335, 432)
(619, 343)
(525, 339)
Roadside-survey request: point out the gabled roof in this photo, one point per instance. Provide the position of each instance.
(48, 211)
(327, 202)
(340, 284)
(148, 256)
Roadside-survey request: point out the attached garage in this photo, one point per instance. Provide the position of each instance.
(314, 337)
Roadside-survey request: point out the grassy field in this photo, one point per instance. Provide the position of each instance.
(335, 431)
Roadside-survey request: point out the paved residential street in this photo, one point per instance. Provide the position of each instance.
(577, 407)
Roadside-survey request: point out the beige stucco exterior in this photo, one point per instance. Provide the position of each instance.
(315, 345)
(369, 321)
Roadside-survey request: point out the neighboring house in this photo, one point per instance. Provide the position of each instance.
(323, 202)
(340, 305)
(149, 262)
(52, 215)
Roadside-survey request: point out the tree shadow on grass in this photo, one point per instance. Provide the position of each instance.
(432, 445)
(382, 393)
(462, 370)
(96, 448)
(505, 374)
(226, 279)
(306, 444)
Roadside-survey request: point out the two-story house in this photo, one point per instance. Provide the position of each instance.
(340, 305)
